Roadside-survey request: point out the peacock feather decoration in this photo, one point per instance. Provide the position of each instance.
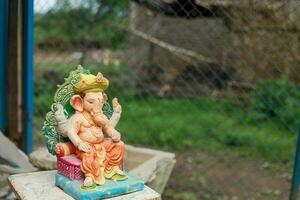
(63, 96)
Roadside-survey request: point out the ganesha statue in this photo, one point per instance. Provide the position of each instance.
(81, 131)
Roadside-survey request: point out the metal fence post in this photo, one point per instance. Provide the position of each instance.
(3, 50)
(28, 75)
(296, 173)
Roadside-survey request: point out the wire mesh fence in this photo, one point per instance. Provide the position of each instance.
(216, 81)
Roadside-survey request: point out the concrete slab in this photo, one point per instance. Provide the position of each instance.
(41, 186)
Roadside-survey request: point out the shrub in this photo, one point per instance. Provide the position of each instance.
(69, 24)
(278, 99)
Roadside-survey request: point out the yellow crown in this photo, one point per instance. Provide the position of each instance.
(91, 83)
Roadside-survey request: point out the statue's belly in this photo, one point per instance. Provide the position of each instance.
(91, 135)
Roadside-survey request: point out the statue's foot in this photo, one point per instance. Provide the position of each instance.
(88, 184)
(119, 177)
(88, 181)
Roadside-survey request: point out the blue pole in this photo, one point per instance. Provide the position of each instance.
(3, 53)
(28, 75)
(296, 173)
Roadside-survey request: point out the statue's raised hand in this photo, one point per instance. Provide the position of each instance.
(116, 106)
(62, 121)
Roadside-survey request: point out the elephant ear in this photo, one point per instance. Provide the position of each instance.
(77, 102)
(62, 96)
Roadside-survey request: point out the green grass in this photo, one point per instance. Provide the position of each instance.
(181, 124)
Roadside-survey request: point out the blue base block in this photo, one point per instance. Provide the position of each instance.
(109, 189)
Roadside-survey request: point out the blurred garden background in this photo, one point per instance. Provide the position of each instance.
(215, 81)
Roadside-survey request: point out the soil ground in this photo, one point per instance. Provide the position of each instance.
(200, 175)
